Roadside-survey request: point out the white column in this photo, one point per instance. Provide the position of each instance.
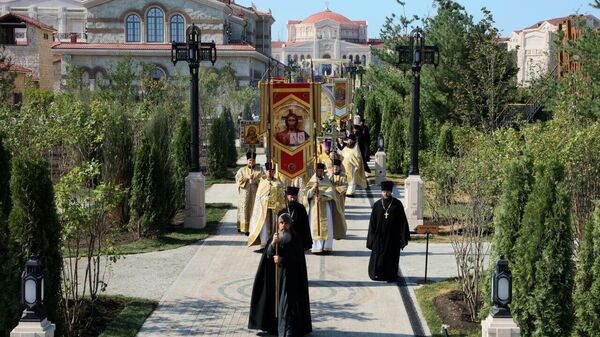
(195, 208)
(380, 159)
(34, 329)
(413, 201)
(499, 327)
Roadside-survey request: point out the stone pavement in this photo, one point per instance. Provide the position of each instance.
(211, 295)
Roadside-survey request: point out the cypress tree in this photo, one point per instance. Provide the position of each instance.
(373, 119)
(182, 160)
(8, 276)
(229, 135)
(152, 193)
(445, 145)
(217, 157)
(587, 283)
(543, 272)
(34, 227)
(395, 144)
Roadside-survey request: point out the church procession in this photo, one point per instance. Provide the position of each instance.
(169, 168)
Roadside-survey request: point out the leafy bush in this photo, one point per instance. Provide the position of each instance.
(8, 276)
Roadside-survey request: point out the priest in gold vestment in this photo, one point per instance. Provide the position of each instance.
(247, 179)
(327, 220)
(270, 198)
(353, 165)
(338, 179)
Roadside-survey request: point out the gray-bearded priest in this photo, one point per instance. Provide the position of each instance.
(388, 235)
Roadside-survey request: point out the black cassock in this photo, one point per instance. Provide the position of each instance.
(294, 304)
(262, 302)
(298, 213)
(387, 236)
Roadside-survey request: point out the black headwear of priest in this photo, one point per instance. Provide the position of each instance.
(320, 166)
(250, 154)
(387, 185)
(269, 166)
(291, 190)
(352, 137)
(337, 162)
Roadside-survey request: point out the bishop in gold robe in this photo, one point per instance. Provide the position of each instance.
(247, 179)
(270, 198)
(353, 165)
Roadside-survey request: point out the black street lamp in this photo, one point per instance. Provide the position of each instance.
(416, 53)
(193, 51)
(292, 67)
(380, 142)
(32, 291)
(501, 289)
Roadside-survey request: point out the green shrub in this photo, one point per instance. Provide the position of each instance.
(372, 119)
(182, 160)
(445, 145)
(217, 156)
(8, 277)
(34, 227)
(543, 272)
(587, 284)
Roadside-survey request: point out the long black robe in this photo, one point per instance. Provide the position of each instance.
(386, 238)
(298, 213)
(262, 303)
(294, 303)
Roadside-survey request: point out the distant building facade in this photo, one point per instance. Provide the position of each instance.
(324, 35)
(95, 34)
(535, 45)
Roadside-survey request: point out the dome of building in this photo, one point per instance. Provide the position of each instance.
(327, 14)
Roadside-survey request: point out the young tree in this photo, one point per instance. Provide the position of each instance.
(182, 160)
(229, 136)
(395, 143)
(373, 119)
(8, 276)
(34, 227)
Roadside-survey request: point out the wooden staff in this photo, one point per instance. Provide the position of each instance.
(277, 280)
(317, 203)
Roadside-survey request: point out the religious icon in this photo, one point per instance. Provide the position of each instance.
(293, 133)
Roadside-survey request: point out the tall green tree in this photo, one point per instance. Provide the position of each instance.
(230, 136)
(34, 226)
(182, 160)
(543, 272)
(373, 119)
(217, 155)
(7, 80)
(8, 276)
(587, 283)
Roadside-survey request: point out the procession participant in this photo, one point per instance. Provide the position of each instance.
(339, 181)
(298, 213)
(269, 198)
(247, 179)
(325, 156)
(327, 219)
(262, 303)
(353, 165)
(294, 302)
(388, 235)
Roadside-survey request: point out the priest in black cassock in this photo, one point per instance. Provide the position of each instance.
(287, 250)
(262, 303)
(388, 235)
(299, 216)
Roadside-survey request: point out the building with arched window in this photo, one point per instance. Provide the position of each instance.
(324, 35)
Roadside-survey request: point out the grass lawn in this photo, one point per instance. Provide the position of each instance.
(426, 295)
(177, 237)
(131, 318)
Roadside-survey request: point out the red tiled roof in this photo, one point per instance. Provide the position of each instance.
(142, 46)
(556, 21)
(327, 15)
(28, 20)
(293, 22)
(15, 68)
(277, 44)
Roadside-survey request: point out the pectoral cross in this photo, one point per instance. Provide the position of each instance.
(386, 214)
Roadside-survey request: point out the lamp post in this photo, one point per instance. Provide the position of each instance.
(380, 142)
(32, 291)
(501, 289)
(193, 51)
(416, 54)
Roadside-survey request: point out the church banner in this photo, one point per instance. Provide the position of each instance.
(292, 113)
(249, 131)
(342, 93)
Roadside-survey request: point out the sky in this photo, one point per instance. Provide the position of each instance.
(509, 15)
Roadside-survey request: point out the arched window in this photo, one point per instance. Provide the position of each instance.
(296, 58)
(302, 57)
(289, 58)
(350, 57)
(157, 74)
(356, 58)
(363, 59)
(133, 28)
(155, 25)
(344, 57)
(177, 28)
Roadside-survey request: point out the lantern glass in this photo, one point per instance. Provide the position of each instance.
(30, 293)
(503, 291)
(42, 290)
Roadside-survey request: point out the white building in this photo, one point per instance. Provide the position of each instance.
(96, 34)
(536, 52)
(324, 35)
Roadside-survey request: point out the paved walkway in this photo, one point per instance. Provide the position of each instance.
(211, 294)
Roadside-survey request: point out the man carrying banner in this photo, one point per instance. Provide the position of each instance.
(325, 214)
(269, 199)
(247, 179)
(353, 165)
